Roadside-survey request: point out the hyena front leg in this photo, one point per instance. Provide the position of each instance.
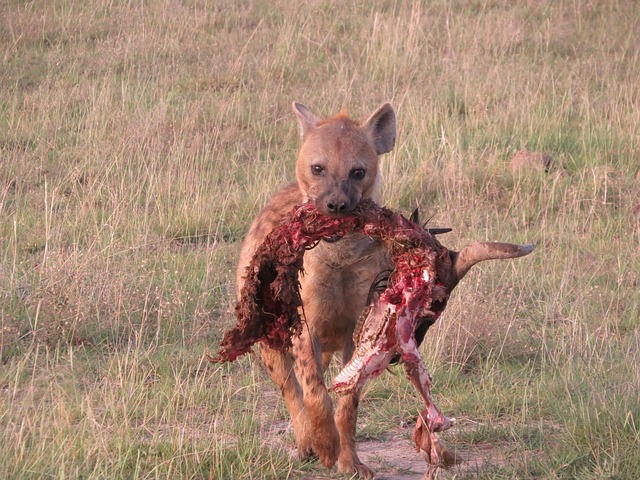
(317, 402)
(346, 419)
(280, 369)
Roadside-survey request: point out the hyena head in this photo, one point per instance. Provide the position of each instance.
(338, 160)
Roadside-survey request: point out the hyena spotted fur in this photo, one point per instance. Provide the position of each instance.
(337, 166)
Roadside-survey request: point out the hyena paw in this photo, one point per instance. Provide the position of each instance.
(326, 445)
(355, 468)
(305, 449)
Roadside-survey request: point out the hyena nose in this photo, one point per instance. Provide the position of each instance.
(336, 207)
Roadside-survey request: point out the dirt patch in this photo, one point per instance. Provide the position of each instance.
(395, 458)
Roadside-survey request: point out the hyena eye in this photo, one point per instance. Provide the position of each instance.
(357, 173)
(317, 169)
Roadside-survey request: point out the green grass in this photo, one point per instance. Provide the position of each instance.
(139, 139)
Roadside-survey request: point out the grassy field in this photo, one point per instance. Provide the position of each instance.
(139, 138)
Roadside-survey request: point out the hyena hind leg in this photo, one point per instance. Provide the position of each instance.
(281, 371)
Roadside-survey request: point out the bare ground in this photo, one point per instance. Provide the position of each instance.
(393, 457)
(396, 459)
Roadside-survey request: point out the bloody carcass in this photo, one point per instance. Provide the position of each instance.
(392, 326)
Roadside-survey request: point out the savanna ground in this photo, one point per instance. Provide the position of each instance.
(139, 138)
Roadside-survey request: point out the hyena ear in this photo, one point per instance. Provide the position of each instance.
(307, 119)
(382, 128)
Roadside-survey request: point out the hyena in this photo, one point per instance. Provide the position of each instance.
(337, 166)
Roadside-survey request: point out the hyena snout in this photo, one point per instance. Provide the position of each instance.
(338, 203)
(336, 206)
